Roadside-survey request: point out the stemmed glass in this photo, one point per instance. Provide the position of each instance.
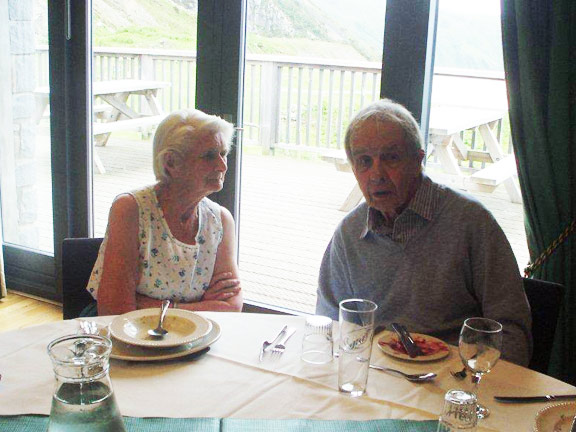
(479, 346)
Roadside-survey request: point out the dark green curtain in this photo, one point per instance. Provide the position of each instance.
(539, 39)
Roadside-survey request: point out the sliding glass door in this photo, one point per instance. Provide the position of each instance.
(143, 67)
(117, 69)
(309, 67)
(26, 146)
(471, 142)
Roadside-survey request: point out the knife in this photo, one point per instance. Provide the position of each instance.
(411, 348)
(289, 331)
(267, 346)
(533, 399)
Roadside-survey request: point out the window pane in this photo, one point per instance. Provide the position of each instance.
(470, 145)
(309, 67)
(25, 168)
(144, 66)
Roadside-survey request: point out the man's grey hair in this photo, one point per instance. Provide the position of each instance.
(386, 110)
(180, 131)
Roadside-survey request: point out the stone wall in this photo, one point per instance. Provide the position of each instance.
(23, 65)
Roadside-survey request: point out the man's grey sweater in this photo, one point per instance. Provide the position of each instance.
(456, 264)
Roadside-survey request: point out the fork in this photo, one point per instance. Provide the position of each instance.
(266, 345)
(88, 327)
(280, 347)
(459, 375)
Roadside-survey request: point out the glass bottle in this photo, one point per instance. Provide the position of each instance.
(83, 398)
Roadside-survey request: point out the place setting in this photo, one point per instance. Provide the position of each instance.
(415, 347)
(156, 334)
(356, 335)
(400, 344)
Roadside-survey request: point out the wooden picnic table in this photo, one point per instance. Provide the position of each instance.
(446, 123)
(114, 113)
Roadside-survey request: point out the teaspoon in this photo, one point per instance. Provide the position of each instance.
(160, 331)
(410, 377)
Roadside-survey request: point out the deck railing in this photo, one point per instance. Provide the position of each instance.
(289, 103)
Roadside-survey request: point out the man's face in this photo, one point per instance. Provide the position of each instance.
(387, 170)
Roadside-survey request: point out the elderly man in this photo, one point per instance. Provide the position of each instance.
(429, 256)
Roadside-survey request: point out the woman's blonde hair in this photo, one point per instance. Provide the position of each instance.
(180, 130)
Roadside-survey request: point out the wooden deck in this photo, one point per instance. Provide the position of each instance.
(289, 209)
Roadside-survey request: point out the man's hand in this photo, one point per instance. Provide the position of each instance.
(222, 287)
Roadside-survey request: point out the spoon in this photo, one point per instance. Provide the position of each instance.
(410, 377)
(160, 331)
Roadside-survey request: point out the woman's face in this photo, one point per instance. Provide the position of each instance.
(203, 167)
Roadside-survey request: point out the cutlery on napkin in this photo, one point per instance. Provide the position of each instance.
(280, 346)
(412, 349)
(533, 399)
(267, 346)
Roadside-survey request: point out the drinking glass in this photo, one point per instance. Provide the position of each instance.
(459, 412)
(317, 342)
(356, 333)
(479, 346)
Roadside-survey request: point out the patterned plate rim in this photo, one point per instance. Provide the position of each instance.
(546, 411)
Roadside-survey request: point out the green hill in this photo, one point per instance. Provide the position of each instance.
(144, 24)
(336, 29)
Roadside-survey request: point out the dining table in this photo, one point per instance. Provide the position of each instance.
(229, 386)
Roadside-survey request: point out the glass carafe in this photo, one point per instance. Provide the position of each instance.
(83, 398)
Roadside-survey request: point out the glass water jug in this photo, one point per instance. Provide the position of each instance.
(83, 398)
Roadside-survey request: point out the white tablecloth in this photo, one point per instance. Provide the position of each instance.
(230, 382)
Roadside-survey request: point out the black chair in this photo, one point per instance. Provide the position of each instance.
(78, 258)
(545, 300)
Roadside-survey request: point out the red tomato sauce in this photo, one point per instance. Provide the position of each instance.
(428, 347)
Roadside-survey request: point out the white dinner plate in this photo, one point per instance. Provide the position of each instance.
(433, 348)
(122, 351)
(555, 418)
(183, 327)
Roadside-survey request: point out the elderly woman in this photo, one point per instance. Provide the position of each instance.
(167, 240)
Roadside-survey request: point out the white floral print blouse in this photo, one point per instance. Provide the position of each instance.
(168, 268)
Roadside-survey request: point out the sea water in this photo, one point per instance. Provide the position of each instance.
(85, 407)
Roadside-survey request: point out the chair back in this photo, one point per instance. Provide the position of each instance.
(78, 258)
(545, 300)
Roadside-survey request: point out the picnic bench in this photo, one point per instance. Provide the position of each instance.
(111, 110)
(446, 123)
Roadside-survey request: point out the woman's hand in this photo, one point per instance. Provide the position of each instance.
(223, 286)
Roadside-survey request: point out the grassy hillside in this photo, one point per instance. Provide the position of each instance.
(302, 48)
(469, 41)
(143, 23)
(360, 23)
(335, 29)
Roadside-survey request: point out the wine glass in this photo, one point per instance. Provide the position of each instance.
(479, 346)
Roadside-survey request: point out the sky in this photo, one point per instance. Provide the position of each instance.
(483, 7)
